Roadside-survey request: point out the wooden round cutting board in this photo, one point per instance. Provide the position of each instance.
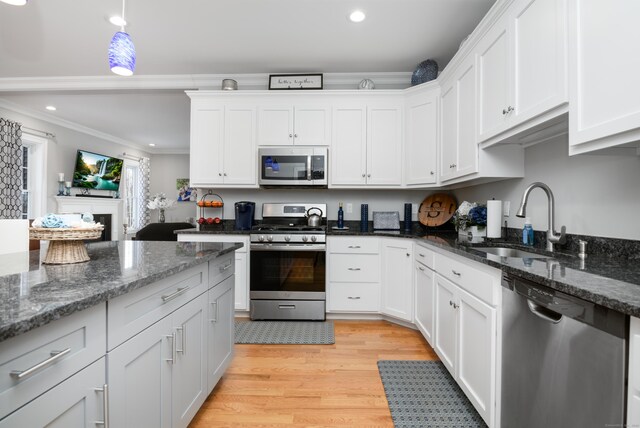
(437, 209)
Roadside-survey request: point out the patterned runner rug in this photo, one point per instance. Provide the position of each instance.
(285, 332)
(423, 394)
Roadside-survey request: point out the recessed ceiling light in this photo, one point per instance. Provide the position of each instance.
(51, 108)
(15, 2)
(357, 16)
(151, 145)
(117, 21)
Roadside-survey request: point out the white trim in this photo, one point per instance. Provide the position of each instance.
(37, 173)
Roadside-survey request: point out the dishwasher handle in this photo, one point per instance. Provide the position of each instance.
(544, 313)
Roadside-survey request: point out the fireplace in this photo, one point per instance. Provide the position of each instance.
(105, 220)
(110, 208)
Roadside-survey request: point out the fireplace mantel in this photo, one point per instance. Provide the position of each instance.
(74, 204)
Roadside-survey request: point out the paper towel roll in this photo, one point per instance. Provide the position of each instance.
(494, 219)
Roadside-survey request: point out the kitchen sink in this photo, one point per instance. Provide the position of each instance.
(510, 252)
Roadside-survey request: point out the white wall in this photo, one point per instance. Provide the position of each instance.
(594, 194)
(165, 169)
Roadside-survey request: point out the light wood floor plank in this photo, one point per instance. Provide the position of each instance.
(312, 385)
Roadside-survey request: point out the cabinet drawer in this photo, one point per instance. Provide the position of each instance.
(476, 281)
(354, 297)
(354, 268)
(67, 345)
(424, 256)
(133, 312)
(351, 245)
(221, 269)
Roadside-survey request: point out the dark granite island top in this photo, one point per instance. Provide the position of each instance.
(37, 294)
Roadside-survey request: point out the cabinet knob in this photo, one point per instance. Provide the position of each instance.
(225, 174)
(431, 172)
(456, 306)
(290, 135)
(450, 303)
(220, 174)
(364, 175)
(295, 135)
(454, 165)
(369, 175)
(455, 273)
(408, 255)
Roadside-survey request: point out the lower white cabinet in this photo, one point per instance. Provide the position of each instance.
(424, 301)
(633, 396)
(465, 341)
(78, 402)
(220, 330)
(397, 278)
(158, 377)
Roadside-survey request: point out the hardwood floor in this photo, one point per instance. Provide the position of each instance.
(313, 385)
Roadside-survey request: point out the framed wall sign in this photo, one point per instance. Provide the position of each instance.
(295, 81)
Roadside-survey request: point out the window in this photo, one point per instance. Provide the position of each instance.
(133, 197)
(26, 209)
(34, 188)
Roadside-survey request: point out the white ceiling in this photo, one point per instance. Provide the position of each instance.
(64, 38)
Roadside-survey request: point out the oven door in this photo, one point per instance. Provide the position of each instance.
(288, 272)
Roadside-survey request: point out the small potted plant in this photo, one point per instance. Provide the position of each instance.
(470, 219)
(160, 202)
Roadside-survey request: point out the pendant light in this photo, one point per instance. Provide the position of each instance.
(15, 2)
(122, 53)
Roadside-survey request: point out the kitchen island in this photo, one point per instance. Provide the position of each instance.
(138, 335)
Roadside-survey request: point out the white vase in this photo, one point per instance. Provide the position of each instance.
(473, 232)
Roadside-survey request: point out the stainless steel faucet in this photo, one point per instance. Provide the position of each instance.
(552, 236)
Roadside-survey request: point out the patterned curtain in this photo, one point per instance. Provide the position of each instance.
(10, 169)
(143, 186)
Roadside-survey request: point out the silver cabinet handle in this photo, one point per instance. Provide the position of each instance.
(455, 273)
(353, 246)
(354, 269)
(353, 297)
(215, 312)
(105, 405)
(223, 268)
(183, 342)
(55, 356)
(421, 255)
(175, 294)
(174, 355)
(286, 306)
(421, 268)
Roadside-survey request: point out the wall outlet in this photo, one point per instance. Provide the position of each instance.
(349, 208)
(506, 208)
(414, 208)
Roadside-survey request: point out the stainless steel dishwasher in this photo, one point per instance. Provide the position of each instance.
(563, 361)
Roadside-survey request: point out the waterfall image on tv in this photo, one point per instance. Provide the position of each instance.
(94, 171)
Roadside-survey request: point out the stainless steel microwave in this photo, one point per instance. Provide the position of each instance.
(293, 166)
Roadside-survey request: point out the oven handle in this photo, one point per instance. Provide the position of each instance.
(309, 168)
(272, 247)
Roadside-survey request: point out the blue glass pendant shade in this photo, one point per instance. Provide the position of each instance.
(122, 54)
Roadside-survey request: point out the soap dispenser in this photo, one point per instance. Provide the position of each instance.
(527, 232)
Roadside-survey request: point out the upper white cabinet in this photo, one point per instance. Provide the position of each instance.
(604, 105)
(421, 135)
(367, 144)
(223, 144)
(522, 67)
(287, 125)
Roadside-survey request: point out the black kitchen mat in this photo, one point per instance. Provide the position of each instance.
(285, 332)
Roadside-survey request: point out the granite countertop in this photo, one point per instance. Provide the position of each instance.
(33, 294)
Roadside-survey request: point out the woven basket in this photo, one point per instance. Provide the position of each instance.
(66, 245)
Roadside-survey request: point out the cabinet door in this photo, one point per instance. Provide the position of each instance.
(467, 147)
(604, 105)
(240, 154)
(139, 378)
(384, 146)
(206, 148)
(397, 279)
(312, 126)
(477, 353)
(189, 373)
(275, 126)
(241, 284)
(633, 396)
(446, 323)
(539, 31)
(349, 146)
(421, 138)
(221, 336)
(424, 302)
(75, 403)
(495, 106)
(448, 130)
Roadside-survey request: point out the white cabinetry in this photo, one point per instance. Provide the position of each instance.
(287, 125)
(633, 396)
(354, 274)
(466, 330)
(223, 142)
(522, 67)
(397, 278)
(604, 109)
(367, 144)
(220, 331)
(242, 256)
(424, 284)
(421, 135)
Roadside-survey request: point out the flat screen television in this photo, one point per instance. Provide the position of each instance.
(95, 171)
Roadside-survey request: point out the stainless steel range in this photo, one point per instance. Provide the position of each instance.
(288, 263)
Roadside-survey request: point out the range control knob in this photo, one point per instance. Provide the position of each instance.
(313, 238)
(261, 238)
(304, 238)
(270, 238)
(287, 238)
